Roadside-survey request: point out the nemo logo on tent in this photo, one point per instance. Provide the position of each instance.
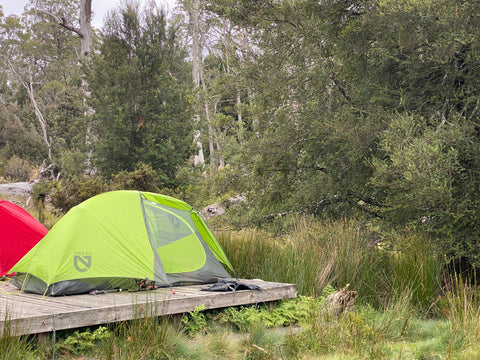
(82, 261)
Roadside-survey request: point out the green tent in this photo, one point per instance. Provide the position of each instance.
(116, 239)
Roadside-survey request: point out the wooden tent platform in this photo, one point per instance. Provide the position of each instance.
(24, 313)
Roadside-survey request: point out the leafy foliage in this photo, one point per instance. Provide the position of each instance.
(82, 342)
(143, 178)
(358, 108)
(74, 190)
(195, 321)
(423, 181)
(140, 95)
(40, 192)
(364, 108)
(17, 169)
(296, 312)
(19, 140)
(42, 80)
(285, 313)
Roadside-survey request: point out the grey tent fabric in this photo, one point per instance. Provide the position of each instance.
(32, 284)
(231, 285)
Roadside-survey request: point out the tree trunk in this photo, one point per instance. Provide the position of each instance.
(239, 115)
(197, 70)
(85, 35)
(209, 124)
(38, 113)
(85, 55)
(85, 29)
(198, 159)
(28, 85)
(194, 14)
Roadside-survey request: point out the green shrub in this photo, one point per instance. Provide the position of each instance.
(73, 190)
(143, 178)
(291, 312)
(82, 342)
(17, 169)
(195, 321)
(72, 163)
(40, 192)
(18, 140)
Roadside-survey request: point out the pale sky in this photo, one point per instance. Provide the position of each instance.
(99, 8)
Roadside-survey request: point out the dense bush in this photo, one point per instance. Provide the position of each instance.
(17, 169)
(73, 190)
(22, 142)
(143, 178)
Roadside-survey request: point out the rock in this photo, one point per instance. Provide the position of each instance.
(213, 210)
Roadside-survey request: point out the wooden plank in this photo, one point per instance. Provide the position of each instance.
(36, 314)
(170, 305)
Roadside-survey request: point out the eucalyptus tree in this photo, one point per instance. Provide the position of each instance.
(140, 83)
(194, 34)
(79, 23)
(41, 66)
(310, 132)
(198, 28)
(217, 48)
(369, 105)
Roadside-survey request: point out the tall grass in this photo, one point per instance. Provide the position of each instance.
(140, 339)
(463, 313)
(315, 253)
(301, 258)
(151, 338)
(13, 346)
(415, 268)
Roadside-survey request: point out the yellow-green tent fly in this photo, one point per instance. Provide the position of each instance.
(118, 238)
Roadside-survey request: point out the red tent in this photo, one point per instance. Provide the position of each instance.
(19, 232)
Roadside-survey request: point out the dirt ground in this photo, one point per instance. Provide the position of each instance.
(18, 193)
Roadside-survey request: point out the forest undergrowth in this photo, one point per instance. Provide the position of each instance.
(407, 306)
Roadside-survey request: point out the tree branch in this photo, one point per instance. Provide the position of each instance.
(62, 21)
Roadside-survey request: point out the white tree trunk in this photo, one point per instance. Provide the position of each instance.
(209, 124)
(38, 113)
(194, 14)
(198, 159)
(197, 69)
(28, 85)
(85, 35)
(85, 29)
